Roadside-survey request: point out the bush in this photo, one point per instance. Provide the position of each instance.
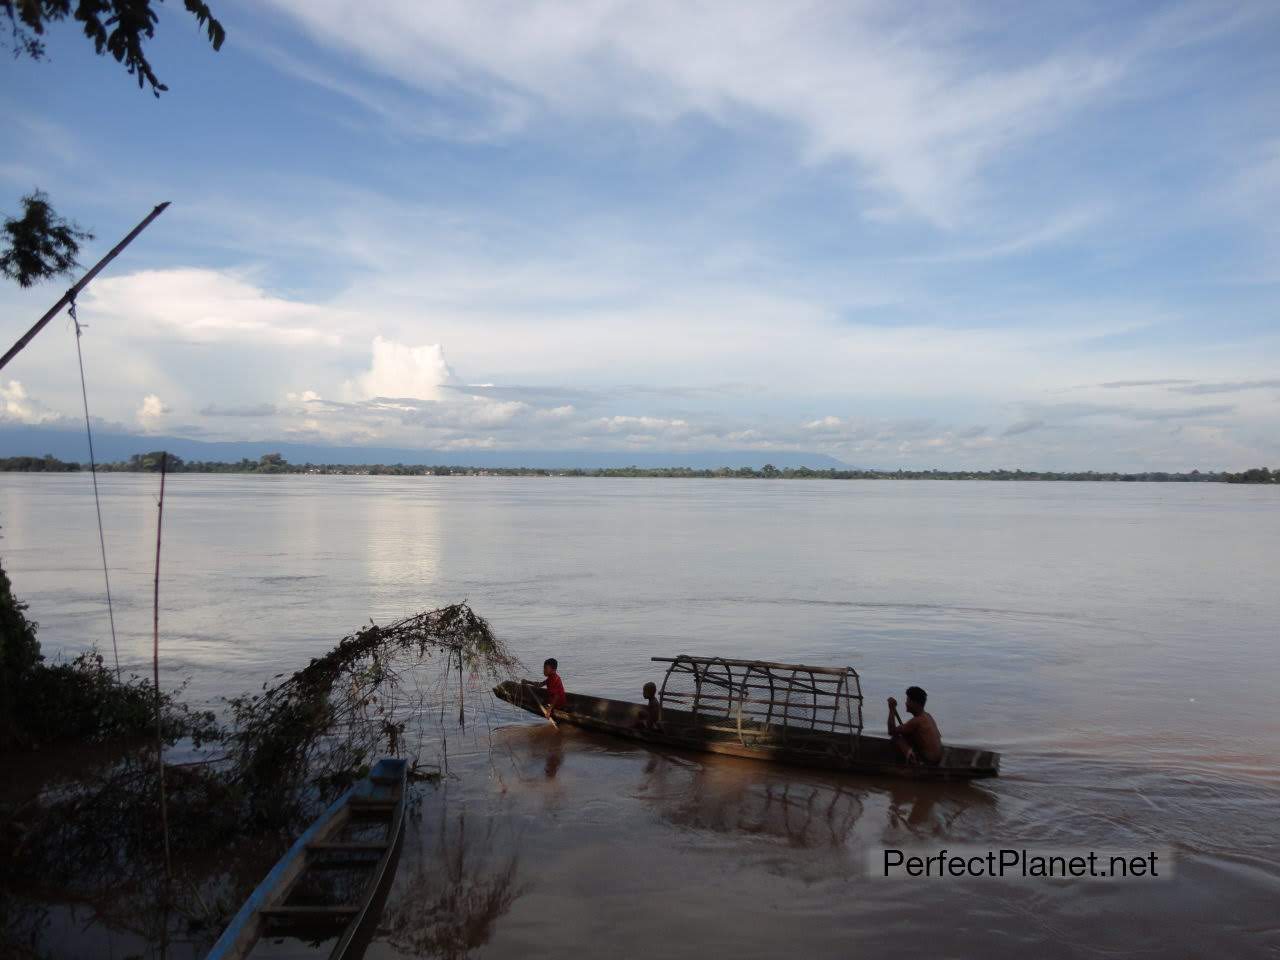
(81, 700)
(19, 656)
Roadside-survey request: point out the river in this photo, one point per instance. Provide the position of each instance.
(1116, 642)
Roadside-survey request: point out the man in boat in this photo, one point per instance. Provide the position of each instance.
(918, 740)
(555, 698)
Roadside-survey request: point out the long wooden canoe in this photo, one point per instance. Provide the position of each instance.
(773, 742)
(332, 881)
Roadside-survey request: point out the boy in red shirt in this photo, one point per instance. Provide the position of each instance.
(555, 688)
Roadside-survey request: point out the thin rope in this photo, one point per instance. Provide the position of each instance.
(93, 469)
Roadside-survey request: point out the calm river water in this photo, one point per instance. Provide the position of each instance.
(1116, 642)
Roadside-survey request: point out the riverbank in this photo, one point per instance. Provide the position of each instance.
(274, 464)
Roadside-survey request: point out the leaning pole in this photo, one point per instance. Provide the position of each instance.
(70, 295)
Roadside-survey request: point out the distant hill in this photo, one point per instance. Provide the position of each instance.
(70, 445)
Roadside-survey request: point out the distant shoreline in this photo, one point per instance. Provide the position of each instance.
(275, 464)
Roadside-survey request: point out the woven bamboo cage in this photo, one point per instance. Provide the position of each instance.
(757, 701)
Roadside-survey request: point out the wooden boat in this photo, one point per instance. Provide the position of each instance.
(785, 713)
(333, 880)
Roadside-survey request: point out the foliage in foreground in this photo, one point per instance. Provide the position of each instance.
(81, 701)
(120, 28)
(39, 245)
(323, 726)
(286, 751)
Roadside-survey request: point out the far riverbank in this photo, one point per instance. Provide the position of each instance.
(273, 463)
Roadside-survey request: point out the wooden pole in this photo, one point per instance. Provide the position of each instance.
(155, 672)
(70, 295)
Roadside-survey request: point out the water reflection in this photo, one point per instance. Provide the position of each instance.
(728, 799)
(401, 537)
(453, 887)
(84, 865)
(805, 808)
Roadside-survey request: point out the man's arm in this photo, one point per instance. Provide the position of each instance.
(894, 721)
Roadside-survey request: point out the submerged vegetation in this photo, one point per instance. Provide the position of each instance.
(324, 725)
(91, 835)
(275, 463)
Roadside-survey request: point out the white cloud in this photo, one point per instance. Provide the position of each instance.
(824, 424)
(820, 381)
(640, 426)
(19, 407)
(150, 411)
(920, 112)
(207, 306)
(402, 371)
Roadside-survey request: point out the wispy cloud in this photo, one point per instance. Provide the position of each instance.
(1234, 386)
(1076, 411)
(1120, 384)
(253, 410)
(922, 118)
(1024, 426)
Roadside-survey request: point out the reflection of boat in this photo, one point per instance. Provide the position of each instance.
(786, 713)
(805, 811)
(331, 882)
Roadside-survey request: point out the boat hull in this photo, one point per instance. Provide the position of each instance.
(269, 910)
(801, 748)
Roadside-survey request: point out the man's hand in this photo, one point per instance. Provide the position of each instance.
(893, 703)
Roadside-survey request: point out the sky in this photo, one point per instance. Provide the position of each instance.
(949, 235)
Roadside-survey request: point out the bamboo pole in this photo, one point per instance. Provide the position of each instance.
(155, 672)
(70, 295)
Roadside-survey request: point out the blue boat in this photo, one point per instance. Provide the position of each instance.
(332, 882)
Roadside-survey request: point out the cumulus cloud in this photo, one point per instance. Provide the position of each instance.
(208, 306)
(401, 371)
(825, 424)
(640, 425)
(19, 407)
(150, 411)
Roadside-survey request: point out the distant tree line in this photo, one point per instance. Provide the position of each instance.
(45, 464)
(1256, 475)
(275, 463)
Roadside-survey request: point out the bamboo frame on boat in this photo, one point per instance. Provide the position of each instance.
(759, 699)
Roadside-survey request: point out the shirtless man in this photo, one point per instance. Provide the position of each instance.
(918, 739)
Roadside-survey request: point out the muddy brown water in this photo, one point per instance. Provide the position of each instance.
(1116, 642)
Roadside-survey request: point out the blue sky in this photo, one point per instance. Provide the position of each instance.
(904, 235)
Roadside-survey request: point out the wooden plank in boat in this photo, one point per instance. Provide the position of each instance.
(312, 911)
(344, 846)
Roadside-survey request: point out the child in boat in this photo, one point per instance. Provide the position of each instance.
(555, 698)
(651, 713)
(918, 740)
